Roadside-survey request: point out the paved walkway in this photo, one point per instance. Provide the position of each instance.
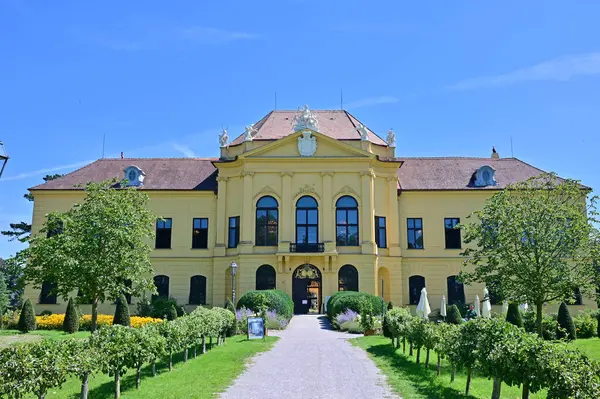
(311, 361)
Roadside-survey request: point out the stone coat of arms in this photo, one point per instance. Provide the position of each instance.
(307, 144)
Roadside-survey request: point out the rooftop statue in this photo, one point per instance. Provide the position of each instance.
(249, 132)
(391, 138)
(305, 119)
(224, 138)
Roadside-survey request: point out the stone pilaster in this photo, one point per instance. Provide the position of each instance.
(221, 216)
(246, 242)
(368, 213)
(393, 222)
(328, 212)
(286, 217)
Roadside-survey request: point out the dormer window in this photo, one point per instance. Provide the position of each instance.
(134, 176)
(484, 176)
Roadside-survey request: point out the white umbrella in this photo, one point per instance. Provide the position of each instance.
(477, 306)
(487, 307)
(505, 307)
(524, 307)
(443, 306)
(423, 308)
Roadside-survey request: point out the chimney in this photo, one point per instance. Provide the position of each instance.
(123, 155)
(495, 155)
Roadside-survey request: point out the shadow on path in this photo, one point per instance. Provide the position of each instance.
(423, 380)
(324, 323)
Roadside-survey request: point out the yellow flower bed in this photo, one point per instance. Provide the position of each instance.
(55, 321)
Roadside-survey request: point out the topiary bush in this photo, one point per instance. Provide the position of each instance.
(71, 321)
(352, 300)
(233, 330)
(549, 325)
(160, 306)
(276, 300)
(586, 324)
(513, 316)
(122, 312)
(453, 315)
(27, 318)
(46, 312)
(565, 322)
(172, 313)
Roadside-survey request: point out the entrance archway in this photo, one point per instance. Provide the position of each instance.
(306, 289)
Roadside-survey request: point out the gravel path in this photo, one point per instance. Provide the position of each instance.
(311, 361)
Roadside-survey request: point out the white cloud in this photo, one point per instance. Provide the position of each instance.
(206, 35)
(185, 150)
(40, 172)
(559, 69)
(370, 101)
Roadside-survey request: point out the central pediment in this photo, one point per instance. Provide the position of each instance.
(307, 144)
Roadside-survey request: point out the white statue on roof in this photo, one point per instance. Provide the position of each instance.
(249, 132)
(223, 138)
(391, 138)
(364, 133)
(305, 119)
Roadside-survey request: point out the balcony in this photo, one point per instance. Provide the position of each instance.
(307, 248)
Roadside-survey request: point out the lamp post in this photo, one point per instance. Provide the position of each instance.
(233, 267)
(3, 158)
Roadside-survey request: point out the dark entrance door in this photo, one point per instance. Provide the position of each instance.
(306, 289)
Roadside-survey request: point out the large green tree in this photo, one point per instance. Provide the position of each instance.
(21, 230)
(99, 247)
(12, 269)
(533, 242)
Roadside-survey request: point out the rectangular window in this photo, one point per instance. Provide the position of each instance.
(163, 233)
(415, 233)
(200, 233)
(380, 237)
(452, 234)
(234, 232)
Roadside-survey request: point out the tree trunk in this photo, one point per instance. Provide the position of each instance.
(419, 355)
(403, 344)
(410, 351)
(42, 395)
(538, 319)
(439, 364)
(398, 342)
(185, 355)
(138, 377)
(195, 349)
(468, 388)
(84, 387)
(203, 345)
(453, 375)
(117, 385)
(170, 361)
(154, 368)
(525, 390)
(497, 387)
(210, 343)
(94, 325)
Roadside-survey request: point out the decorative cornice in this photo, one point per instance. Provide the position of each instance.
(266, 190)
(222, 179)
(307, 189)
(326, 173)
(369, 173)
(392, 178)
(246, 173)
(346, 190)
(290, 174)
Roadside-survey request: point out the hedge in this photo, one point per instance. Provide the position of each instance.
(276, 300)
(342, 300)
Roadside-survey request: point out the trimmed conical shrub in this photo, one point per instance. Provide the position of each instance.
(71, 322)
(172, 313)
(513, 315)
(122, 312)
(386, 323)
(453, 315)
(27, 318)
(566, 322)
(233, 329)
(390, 305)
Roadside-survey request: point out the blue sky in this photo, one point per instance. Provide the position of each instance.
(159, 79)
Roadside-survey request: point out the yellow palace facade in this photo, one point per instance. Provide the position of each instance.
(308, 202)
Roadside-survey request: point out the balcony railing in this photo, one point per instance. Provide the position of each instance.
(306, 248)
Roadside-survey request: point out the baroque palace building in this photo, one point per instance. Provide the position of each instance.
(308, 202)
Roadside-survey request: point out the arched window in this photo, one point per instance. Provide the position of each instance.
(346, 220)
(415, 285)
(197, 290)
(348, 278)
(48, 293)
(162, 286)
(307, 224)
(456, 291)
(265, 278)
(267, 219)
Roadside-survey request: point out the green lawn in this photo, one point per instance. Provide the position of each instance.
(589, 346)
(413, 381)
(203, 377)
(11, 337)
